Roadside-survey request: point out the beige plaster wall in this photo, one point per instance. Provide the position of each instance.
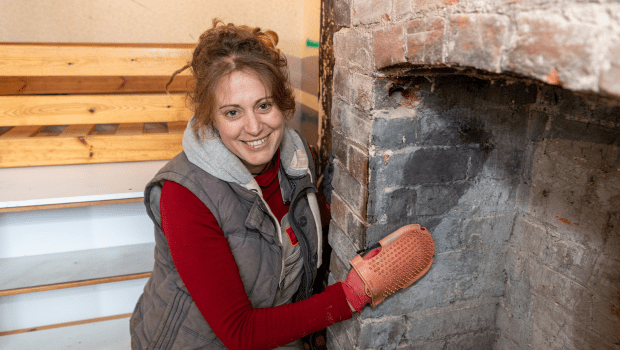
(146, 21)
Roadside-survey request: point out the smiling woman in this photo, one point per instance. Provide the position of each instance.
(249, 124)
(237, 221)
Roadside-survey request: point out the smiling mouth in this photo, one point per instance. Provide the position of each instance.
(254, 144)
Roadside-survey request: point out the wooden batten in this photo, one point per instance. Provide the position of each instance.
(88, 109)
(48, 85)
(93, 60)
(60, 150)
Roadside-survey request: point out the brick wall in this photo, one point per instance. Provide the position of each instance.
(443, 116)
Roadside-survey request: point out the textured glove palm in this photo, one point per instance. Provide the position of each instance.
(401, 259)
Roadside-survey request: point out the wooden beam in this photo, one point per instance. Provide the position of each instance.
(70, 205)
(88, 149)
(74, 284)
(92, 60)
(47, 85)
(66, 324)
(88, 109)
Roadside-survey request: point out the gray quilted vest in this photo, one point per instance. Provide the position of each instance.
(165, 316)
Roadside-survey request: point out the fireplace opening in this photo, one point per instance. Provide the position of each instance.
(519, 183)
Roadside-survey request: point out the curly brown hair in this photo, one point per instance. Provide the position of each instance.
(227, 48)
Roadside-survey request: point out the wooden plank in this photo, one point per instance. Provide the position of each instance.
(65, 324)
(68, 267)
(89, 282)
(21, 132)
(130, 129)
(91, 85)
(87, 109)
(77, 130)
(91, 60)
(95, 334)
(65, 184)
(88, 149)
(70, 205)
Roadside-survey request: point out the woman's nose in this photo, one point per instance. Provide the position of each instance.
(253, 125)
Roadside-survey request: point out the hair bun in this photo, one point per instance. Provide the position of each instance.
(273, 38)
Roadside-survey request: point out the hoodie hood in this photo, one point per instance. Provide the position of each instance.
(211, 155)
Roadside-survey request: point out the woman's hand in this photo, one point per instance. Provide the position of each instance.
(397, 261)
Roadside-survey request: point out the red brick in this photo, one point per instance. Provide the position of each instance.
(554, 50)
(478, 40)
(389, 46)
(401, 9)
(362, 94)
(358, 165)
(425, 39)
(341, 38)
(370, 11)
(341, 82)
(359, 50)
(426, 5)
(338, 211)
(349, 190)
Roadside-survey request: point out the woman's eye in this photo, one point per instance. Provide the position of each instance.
(264, 106)
(231, 114)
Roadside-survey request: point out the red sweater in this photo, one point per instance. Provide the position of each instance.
(207, 267)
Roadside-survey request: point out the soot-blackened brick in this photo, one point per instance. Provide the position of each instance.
(578, 131)
(435, 165)
(438, 200)
(401, 205)
(395, 133)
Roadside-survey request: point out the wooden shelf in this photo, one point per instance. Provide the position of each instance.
(96, 334)
(72, 269)
(49, 187)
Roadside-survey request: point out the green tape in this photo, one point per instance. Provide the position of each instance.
(311, 43)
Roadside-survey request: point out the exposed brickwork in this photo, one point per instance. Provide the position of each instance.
(518, 181)
(473, 166)
(574, 46)
(389, 46)
(556, 51)
(371, 11)
(478, 40)
(425, 39)
(358, 164)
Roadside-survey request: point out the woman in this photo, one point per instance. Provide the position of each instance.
(237, 225)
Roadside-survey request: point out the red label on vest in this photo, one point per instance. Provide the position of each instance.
(291, 236)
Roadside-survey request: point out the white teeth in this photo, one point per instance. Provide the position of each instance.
(256, 143)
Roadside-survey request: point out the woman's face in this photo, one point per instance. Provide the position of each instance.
(249, 123)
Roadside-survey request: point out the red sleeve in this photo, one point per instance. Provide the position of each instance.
(207, 267)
